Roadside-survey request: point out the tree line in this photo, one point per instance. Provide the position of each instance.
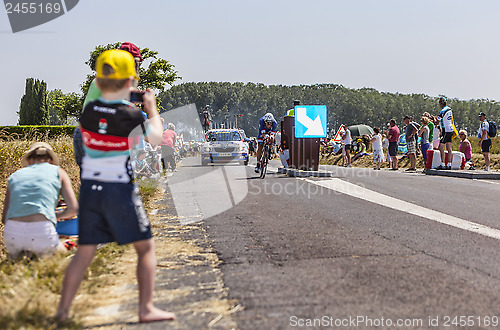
(348, 106)
(345, 105)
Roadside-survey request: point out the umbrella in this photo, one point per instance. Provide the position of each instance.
(359, 130)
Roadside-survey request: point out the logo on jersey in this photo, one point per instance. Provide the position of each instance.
(103, 126)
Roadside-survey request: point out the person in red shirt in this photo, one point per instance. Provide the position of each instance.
(465, 147)
(393, 137)
(167, 148)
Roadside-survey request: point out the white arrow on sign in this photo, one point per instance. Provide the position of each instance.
(314, 127)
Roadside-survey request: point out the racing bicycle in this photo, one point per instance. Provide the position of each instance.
(264, 159)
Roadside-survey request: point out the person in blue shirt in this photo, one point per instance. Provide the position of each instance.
(484, 140)
(267, 130)
(29, 214)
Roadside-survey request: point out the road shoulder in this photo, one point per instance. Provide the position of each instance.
(188, 282)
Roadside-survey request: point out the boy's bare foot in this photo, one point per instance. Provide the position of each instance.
(155, 314)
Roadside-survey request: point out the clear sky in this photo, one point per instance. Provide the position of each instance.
(422, 46)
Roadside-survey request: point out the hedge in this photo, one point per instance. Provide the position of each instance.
(30, 131)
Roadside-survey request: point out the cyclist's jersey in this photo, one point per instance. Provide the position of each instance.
(263, 130)
(446, 117)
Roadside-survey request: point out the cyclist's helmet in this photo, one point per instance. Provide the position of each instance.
(268, 118)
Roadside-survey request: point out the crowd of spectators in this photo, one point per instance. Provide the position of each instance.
(428, 133)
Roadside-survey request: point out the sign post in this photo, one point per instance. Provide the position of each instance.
(310, 126)
(310, 121)
(338, 137)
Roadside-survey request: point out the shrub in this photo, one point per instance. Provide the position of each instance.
(34, 132)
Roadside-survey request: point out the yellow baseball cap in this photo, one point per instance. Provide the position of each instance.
(121, 61)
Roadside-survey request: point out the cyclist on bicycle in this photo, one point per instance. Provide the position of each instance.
(267, 130)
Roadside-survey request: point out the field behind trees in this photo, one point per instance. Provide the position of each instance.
(345, 105)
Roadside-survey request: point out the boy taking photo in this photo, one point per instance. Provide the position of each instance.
(111, 208)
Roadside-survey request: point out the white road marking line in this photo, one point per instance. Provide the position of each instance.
(486, 181)
(351, 189)
(269, 167)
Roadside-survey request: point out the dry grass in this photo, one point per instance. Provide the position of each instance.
(30, 289)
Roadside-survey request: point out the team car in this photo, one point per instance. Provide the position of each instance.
(223, 146)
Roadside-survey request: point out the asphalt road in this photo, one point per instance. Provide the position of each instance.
(296, 253)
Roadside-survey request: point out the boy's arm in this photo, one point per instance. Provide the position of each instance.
(155, 127)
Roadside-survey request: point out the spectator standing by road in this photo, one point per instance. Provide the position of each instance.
(430, 124)
(393, 137)
(385, 145)
(447, 130)
(411, 143)
(424, 132)
(378, 154)
(283, 151)
(78, 147)
(436, 133)
(291, 112)
(346, 147)
(484, 139)
(285, 139)
(168, 140)
(465, 147)
(111, 209)
(251, 147)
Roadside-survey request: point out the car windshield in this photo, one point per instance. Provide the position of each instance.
(223, 136)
